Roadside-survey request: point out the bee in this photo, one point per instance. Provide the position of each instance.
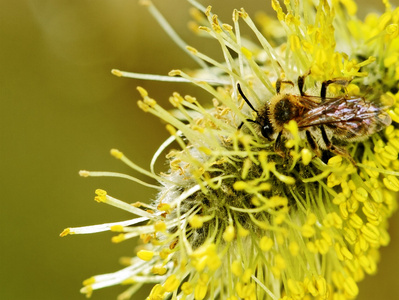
(321, 120)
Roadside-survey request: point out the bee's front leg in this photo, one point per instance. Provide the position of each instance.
(343, 152)
(278, 145)
(279, 82)
(312, 143)
(301, 82)
(339, 80)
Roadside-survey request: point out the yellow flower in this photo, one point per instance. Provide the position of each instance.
(258, 204)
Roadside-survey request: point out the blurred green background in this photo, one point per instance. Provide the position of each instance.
(62, 111)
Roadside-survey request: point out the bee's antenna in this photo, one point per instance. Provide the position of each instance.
(245, 98)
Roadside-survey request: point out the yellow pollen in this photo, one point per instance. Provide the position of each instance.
(144, 107)
(280, 262)
(164, 207)
(350, 287)
(65, 232)
(353, 89)
(145, 255)
(160, 226)
(101, 195)
(192, 49)
(294, 248)
(84, 173)
(370, 232)
(391, 183)
(243, 13)
(335, 161)
(311, 247)
(307, 231)
(150, 102)
(306, 155)
(245, 291)
(200, 291)
(242, 232)
(196, 221)
(284, 178)
(360, 194)
(171, 284)
(246, 277)
(171, 129)
(142, 91)
(208, 10)
(128, 281)
(227, 27)
(157, 293)
(327, 237)
(266, 243)
(352, 185)
(89, 281)
(187, 288)
(236, 268)
(159, 270)
(164, 253)
(116, 153)
(350, 6)
(296, 288)
(204, 278)
(246, 167)
(229, 233)
(355, 221)
(321, 285)
(117, 228)
(392, 29)
(321, 246)
(295, 43)
(279, 219)
(346, 253)
(116, 72)
(276, 6)
(343, 208)
(308, 47)
(240, 185)
(118, 238)
(248, 54)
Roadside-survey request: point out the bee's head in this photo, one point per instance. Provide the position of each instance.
(266, 127)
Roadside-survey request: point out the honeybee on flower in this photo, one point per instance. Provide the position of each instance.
(320, 118)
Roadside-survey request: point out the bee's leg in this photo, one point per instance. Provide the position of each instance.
(334, 149)
(312, 143)
(343, 152)
(249, 120)
(326, 140)
(278, 86)
(279, 82)
(339, 80)
(301, 82)
(278, 145)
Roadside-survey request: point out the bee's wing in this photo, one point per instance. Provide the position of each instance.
(311, 102)
(347, 114)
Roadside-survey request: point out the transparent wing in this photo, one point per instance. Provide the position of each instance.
(353, 115)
